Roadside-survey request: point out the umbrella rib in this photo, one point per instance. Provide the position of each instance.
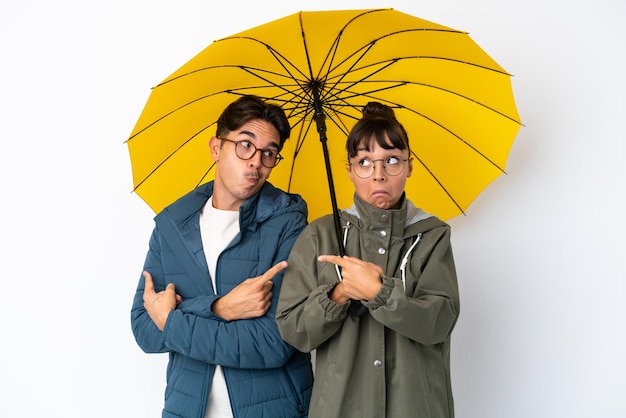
(282, 60)
(340, 125)
(306, 48)
(297, 106)
(403, 83)
(206, 173)
(372, 96)
(453, 134)
(184, 143)
(249, 70)
(381, 65)
(364, 50)
(277, 55)
(439, 183)
(473, 148)
(170, 156)
(470, 99)
(300, 142)
(335, 90)
(332, 51)
(367, 47)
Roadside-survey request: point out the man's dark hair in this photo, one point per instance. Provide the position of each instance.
(248, 108)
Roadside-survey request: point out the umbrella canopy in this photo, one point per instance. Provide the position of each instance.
(322, 67)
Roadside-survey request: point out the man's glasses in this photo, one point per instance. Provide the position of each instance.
(364, 168)
(245, 150)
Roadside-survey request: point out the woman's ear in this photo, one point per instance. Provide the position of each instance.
(410, 167)
(350, 173)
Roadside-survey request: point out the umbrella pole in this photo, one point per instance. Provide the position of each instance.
(320, 121)
(356, 307)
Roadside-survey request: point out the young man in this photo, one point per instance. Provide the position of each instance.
(212, 276)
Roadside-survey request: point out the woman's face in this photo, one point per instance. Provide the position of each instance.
(380, 189)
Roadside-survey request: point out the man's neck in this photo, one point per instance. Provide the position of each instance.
(225, 201)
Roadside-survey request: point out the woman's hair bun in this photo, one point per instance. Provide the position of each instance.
(373, 108)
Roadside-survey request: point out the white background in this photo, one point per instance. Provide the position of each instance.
(540, 254)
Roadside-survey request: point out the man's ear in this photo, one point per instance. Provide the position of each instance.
(214, 145)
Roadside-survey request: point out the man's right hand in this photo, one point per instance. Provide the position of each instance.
(250, 299)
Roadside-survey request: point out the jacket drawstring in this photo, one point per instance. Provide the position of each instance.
(345, 239)
(405, 259)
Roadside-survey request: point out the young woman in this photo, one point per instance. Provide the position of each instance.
(394, 360)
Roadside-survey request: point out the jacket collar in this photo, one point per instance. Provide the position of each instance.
(408, 210)
(265, 204)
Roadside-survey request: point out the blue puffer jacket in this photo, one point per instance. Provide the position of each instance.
(266, 377)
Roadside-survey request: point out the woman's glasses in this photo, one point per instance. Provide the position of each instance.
(364, 168)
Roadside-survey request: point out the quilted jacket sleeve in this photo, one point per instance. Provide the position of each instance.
(194, 331)
(148, 336)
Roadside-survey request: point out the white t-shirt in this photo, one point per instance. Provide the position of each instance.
(217, 229)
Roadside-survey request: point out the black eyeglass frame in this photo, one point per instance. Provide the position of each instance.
(276, 161)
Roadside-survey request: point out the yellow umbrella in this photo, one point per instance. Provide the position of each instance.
(322, 67)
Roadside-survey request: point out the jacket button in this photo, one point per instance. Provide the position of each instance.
(384, 218)
(378, 363)
(383, 233)
(381, 251)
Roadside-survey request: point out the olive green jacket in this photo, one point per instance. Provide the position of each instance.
(394, 361)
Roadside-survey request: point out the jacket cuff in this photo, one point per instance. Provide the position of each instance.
(331, 307)
(383, 294)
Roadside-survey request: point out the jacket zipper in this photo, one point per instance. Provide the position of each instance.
(301, 410)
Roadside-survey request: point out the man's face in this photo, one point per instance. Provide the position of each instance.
(236, 179)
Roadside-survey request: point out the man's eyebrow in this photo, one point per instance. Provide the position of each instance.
(253, 136)
(249, 133)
